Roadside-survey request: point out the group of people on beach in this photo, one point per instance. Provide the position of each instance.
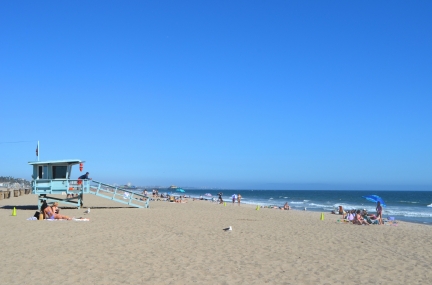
(362, 217)
(234, 197)
(284, 207)
(155, 193)
(164, 197)
(237, 198)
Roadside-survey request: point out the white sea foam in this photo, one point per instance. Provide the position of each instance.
(412, 214)
(347, 206)
(318, 205)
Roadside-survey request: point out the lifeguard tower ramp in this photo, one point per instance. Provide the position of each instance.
(118, 194)
(53, 178)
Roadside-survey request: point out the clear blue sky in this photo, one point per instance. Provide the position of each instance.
(232, 94)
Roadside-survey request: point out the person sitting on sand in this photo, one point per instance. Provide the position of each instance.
(350, 215)
(368, 219)
(55, 208)
(358, 219)
(50, 213)
(43, 207)
(286, 206)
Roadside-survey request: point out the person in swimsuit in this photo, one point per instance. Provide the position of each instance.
(286, 206)
(50, 213)
(379, 212)
(239, 199)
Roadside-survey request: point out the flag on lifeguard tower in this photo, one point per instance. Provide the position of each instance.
(37, 150)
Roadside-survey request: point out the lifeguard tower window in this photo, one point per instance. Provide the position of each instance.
(43, 172)
(59, 172)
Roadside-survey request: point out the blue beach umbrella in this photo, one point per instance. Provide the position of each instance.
(375, 199)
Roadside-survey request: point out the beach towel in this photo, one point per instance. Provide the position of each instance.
(80, 219)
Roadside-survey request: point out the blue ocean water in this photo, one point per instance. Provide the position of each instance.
(410, 206)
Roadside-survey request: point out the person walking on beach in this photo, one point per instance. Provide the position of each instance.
(379, 212)
(234, 198)
(220, 197)
(239, 198)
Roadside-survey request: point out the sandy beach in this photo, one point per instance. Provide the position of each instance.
(173, 243)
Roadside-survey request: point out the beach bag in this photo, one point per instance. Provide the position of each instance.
(36, 215)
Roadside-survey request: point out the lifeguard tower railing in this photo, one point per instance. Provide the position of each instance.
(74, 190)
(118, 194)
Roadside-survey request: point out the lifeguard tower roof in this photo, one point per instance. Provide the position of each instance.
(64, 161)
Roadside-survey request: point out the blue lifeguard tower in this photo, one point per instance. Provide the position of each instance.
(54, 178)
